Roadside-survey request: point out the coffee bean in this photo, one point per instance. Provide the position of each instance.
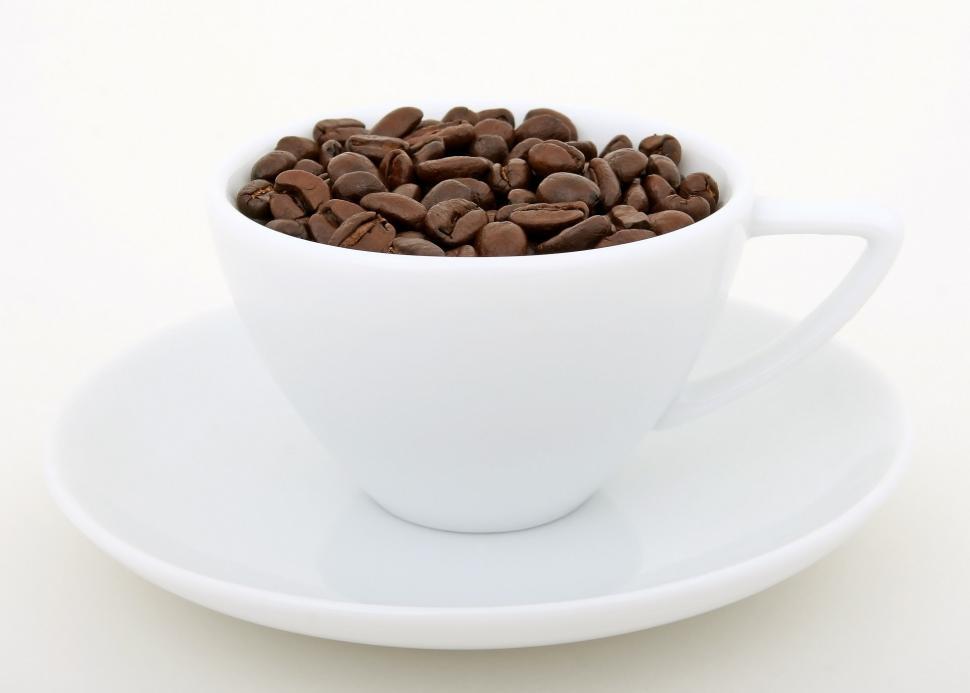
(253, 199)
(522, 196)
(310, 190)
(397, 209)
(337, 129)
(626, 217)
(454, 135)
(668, 145)
(311, 166)
(566, 187)
(290, 227)
(545, 127)
(700, 185)
(517, 173)
(399, 122)
(491, 147)
(618, 142)
(664, 167)
(636, 196)
(657, 188)
(412, 234)
(501, 239)
(416, 246)
(450, 189)
(498, 114)
(604, 177)
(462, 251)
(582, 236)
(586, 147)
(270, 165)
(626, 163)
(625, 236)
(374, 147)
(521, 150)
(461, 113)
(667, 221)
(282, 206)
(427, 122)
(364, 231)
(354, 185)
(453, 167)
(494, 126)
(432, 149)
(570, 126)
(504, 213)
(349, 162)
(455, 222)
(482, 194)
(300, 147)
(545, 219)
(328, 150)
(412, 190)
(553, 156)
(396, 168)
(330, 216)
(696, 207)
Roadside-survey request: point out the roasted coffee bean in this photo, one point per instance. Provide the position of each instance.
(521, 150)
(354, 185)
(329, 217)
(329, 150)
(300, 147)
(482, 194)
(700, 185)
(412, 234)
(498, 114)
(668, 145)
(627, 164)
(546, 219)
(566, 187)
(657, 188)
(427, 122)
(545, 127)
(493, 126)
(434, 149)
(636, 196)
(504, 213)
(497, 181)
(290, 227)
(570, 126)
(453, 167)
(337, 129)
(455, 222)
(625, 236)
(582, 236)
(270, 165)
(396, 168)
(553, 156)
(491, 147)
(282, 206)
(399, 122)
(311, 166)
(450, 189)
(364, 231)
(522, 196)
(453, 135)
(462, 251)
(412, 190)
(586, 147)
(397, 209)
(349, 162)
(374, 147)
(415, 246)
(501, 239)
(618, 142)
(253, 199)
(626, 217)
(664, 167)
(309, 190)
(602, 174)
(517, 173)
(696, 207)
(667, 221)
(461, 113)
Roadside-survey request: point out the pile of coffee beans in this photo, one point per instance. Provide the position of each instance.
(472, 184)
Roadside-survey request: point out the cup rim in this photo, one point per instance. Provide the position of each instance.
(222, 207)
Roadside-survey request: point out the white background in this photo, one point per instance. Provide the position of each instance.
(112, 115)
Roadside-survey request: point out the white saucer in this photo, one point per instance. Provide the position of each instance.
(182, 460)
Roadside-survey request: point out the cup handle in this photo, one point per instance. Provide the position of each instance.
(883, 235)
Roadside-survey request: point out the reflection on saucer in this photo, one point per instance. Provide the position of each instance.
(371, 556)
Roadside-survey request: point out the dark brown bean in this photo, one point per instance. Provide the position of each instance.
(253, 199)
(337, 129)
(618, 142)
(503, 213)
(586, 147)
(270, 165)
(396, 168)
(364, 231)
(349, 162)
(522, 196)
(397, 209)
(416, 246)
(570, 126)
(330, 216)
(605, 178)
(450, 189)
(399, 122)
(700, 185)
(454, 222)
(501, 239)
(636, 196)
(300, 147)
(545, 127)
(309, 190)
(545, 219)
(627, 164)
(498, 114)
(290, 227)
(432, 149)
(696, 206)
(493, 126)
(625, 236)
(329, 150)
(566, 187)
(461, 113)
(462, 251)
(553, 156)
(582, 236)
(453, 135)
(482, 194)
(657, 188)
(453, 167)
(491, 147)
(664, 167)
(412, 190)
(374, 147)
(626, 217)
(354, 185)
(282, 206)
(517, 173)
(667, 221)
(311, 166)
(521, 150)
(412, 234)
(668, 145)
(426, 123)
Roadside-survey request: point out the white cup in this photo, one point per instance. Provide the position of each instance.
(493, 394)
